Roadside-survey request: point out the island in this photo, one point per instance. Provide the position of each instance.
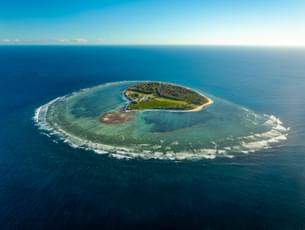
(156, 120)
(164, 96)
(155, 96)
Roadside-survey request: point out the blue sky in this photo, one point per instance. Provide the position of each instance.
(192, 22)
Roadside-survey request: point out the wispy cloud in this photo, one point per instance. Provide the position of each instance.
(71, 40)
(53, 41)
(6, 40)
(80, 40)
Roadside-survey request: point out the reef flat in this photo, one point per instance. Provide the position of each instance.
(116, 117)
(97, 119)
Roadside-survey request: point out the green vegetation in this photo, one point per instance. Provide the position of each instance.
(155, 95)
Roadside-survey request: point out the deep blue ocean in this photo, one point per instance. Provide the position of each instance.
(47, 185)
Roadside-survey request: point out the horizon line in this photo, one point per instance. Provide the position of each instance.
(154, 44)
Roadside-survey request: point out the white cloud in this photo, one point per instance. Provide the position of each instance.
(68, 41)
(71, 40)
(10, 40)
(61, 40)
(80, 40)
(47, 41)
(53, 41)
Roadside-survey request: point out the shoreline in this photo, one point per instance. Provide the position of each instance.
(199, 108)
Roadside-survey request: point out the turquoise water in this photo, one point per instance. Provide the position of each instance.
(222, 129)
(47, 184)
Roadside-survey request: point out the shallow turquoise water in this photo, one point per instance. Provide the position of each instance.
(222, 129)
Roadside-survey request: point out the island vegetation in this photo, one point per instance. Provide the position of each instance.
(156, 96)
(159, 96)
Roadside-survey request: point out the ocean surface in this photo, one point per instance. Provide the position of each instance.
(50, 185)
